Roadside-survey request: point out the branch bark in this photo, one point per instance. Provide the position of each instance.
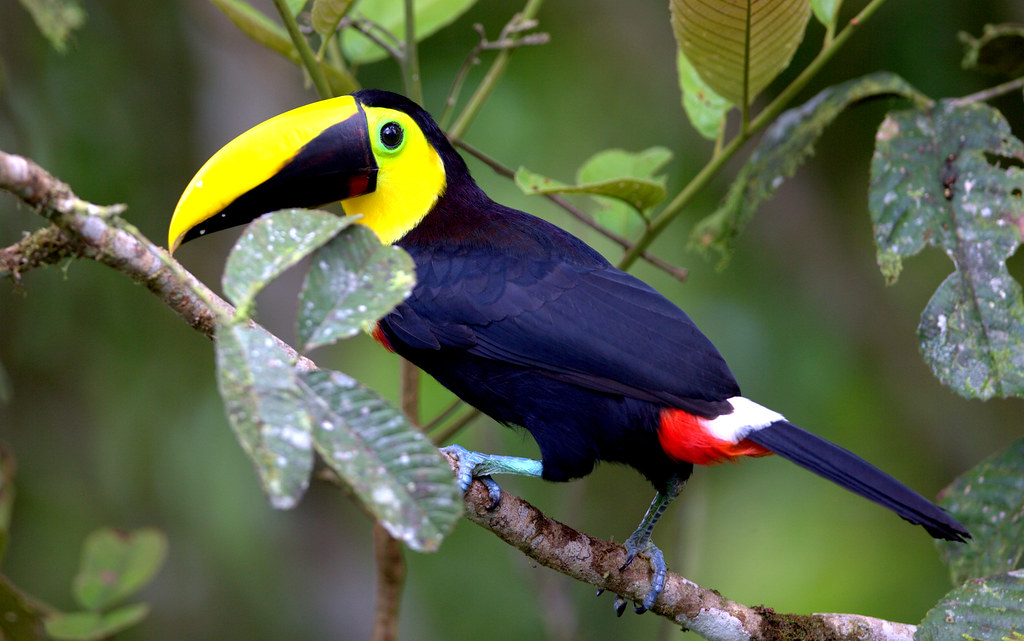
(82, 229)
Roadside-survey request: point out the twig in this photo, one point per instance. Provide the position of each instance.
(387, 553)
(680, 273)
(506, 40)
(370, 29)
(490, 79)
(990, 93)
(309, 59)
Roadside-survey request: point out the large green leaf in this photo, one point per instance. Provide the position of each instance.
(393, 469)
(352, 281)
(705, 108)
(270, 245)
(264, 406)
(989, 501)
(988, 609)
(950, 176)
(431, 16)
(117, 564)
(786, 144)
(739, 46)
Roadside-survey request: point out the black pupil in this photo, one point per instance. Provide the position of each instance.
(391, 135)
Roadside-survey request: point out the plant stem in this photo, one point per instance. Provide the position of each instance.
(490, 79)
(704, 176)
(990, 93)
(316, 73)
(410, 60)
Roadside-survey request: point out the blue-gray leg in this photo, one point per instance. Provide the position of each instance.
(639, 542)
(474, 465)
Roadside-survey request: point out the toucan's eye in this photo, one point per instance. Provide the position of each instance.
(391, 135)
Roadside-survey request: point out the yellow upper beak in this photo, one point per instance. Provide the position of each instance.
(305, 157)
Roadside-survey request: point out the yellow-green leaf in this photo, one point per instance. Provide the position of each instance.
(326, 14)
(704, 107)
(739, 46)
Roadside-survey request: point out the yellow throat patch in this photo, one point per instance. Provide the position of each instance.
(410, 178)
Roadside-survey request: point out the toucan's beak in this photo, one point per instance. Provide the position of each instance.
(306, 157)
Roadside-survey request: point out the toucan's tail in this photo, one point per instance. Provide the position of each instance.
(857, 475)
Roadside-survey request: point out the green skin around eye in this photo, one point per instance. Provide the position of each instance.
(390, 137)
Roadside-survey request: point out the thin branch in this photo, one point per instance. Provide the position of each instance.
(507, 40)
(490, 79)
(679, 273)
(387, 553)
(47, 246)
(97, 231)
(309, 59)
(990, 93)
(410, 62)
(376, 33)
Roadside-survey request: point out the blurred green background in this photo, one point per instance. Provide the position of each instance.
(115, 419)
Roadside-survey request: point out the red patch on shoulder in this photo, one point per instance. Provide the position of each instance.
(684, 437)
(378, 335)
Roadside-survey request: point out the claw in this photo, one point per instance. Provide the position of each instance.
(493, 491)
(619, 604)
(636, 546)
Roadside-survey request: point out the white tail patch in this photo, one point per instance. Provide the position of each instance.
(746, 417)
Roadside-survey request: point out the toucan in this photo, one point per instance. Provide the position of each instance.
(518, 317)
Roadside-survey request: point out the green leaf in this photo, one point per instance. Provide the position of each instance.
(705, 108)
(950, 176)
(270, 245)
(393, 469)
(88, 626)
(431, 16)
(264, 406)
(786, 144)
(327, 14)
(295, 6)
(999, 50)
(117, 564)
(613, 173)
(739, 46)
(825, 10)
(23, 616)
(56, 19)
(352, 281)
(989, 501)
(990, 609)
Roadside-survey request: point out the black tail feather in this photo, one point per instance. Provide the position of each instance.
(857, 475)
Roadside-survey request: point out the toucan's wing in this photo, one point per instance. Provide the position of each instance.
(566, 312)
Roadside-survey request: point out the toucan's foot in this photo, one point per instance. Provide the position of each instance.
(638, 544)
(468, 465)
